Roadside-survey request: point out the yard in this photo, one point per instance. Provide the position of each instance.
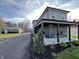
(70, 53)
(6, 36)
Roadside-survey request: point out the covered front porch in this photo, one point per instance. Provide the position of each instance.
(55, 32)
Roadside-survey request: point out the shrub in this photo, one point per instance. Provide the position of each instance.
(38, 43)
(76, 43)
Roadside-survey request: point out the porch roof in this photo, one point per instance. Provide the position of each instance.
(56, 22)
(60, 21)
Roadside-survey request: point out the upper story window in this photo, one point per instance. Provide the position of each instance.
(53, 17)
(62, 18)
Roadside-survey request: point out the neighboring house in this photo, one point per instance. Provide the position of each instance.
(9, 27)
(11, 30)
(55, 27)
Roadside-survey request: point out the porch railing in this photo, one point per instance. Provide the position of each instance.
(52, 39)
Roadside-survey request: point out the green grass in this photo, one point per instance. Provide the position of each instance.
(6, 36)
(70, 53)
(74, 37)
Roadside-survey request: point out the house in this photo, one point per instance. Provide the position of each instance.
(55, 27)
(11, 30)
(9, 27)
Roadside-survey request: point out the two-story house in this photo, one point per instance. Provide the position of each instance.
(55, 27)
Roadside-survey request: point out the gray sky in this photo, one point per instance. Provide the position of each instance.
(17, 10)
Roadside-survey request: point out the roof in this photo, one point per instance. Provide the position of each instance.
(59, 9)
(56, 22)
(34, 22)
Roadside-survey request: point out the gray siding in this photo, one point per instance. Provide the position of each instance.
(50, 13)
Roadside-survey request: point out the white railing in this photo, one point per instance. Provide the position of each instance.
(49, 41)
(63, 40)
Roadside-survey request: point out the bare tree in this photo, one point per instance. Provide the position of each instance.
(25, 24)
(1, 23)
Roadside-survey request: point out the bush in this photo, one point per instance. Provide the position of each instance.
(38, 43)
(76, 43)
(64, 45)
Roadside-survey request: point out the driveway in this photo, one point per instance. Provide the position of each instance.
(16, 48)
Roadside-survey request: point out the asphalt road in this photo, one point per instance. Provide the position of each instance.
(16, 48)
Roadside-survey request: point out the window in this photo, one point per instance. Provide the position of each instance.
(61, 33)
(53, 17)
(62, 17)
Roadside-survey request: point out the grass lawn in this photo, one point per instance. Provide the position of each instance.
(70, 53)
(74, 37)
(6, 36)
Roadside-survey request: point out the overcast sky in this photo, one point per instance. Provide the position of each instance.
(19, 9)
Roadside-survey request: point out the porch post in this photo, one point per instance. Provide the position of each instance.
(78, 32)
(35, 30)
(69, 33)
(42, 27)
(58, 33)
